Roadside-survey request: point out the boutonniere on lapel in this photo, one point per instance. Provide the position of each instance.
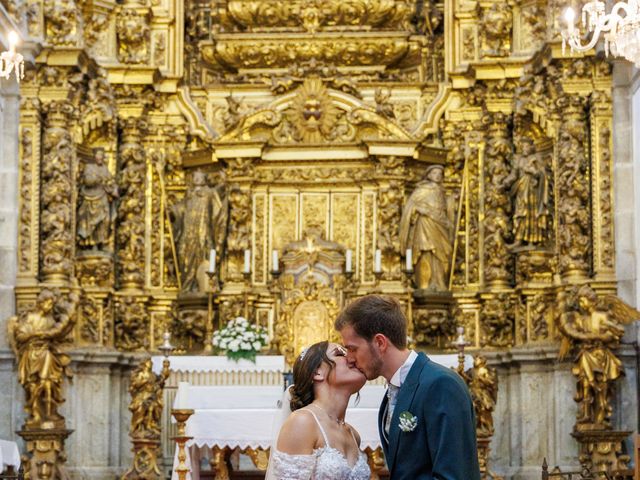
(408, 422)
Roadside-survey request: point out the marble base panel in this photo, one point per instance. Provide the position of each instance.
(535, 412)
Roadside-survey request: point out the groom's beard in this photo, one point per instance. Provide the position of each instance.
(375, 368)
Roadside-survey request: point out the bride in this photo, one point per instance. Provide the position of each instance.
(314, 442)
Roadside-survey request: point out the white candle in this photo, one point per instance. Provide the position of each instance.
(377, 262)
(247, 261)
(13, 41)
(348, 261)
(212, 260)
(274, 260)
(409, 259)
(182, 397)
(569, 16)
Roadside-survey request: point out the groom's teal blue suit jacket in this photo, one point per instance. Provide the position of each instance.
(443, 444)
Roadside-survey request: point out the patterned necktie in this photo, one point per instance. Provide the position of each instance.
(392, 395)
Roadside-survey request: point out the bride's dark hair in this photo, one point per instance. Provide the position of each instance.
(304, 369)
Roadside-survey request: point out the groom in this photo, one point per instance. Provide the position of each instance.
(426, 421)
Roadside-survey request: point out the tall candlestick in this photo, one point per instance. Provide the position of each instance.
(409, 259)
(377, 262)
(212, 260)
(247, 261)
(348, 261)
(274, 260)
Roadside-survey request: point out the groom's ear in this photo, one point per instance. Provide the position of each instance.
(381, 342)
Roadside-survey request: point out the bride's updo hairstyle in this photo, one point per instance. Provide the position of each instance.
(304, 369)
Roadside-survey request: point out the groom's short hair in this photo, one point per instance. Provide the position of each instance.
(373, 314)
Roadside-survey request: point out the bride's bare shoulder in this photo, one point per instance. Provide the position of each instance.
(299, 434)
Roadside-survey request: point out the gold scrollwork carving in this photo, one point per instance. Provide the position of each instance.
(133, 35)
(266, 53)
(317, 15)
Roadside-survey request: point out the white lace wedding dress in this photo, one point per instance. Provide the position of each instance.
(325, 463)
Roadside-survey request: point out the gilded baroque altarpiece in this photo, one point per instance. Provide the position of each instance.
(153, 131)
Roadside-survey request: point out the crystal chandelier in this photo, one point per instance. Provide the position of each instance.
(620, 29)
(11, 60)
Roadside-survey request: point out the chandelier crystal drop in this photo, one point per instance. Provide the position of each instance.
(10, 60)
(620, 29)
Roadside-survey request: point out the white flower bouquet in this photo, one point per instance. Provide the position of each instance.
(240, 339)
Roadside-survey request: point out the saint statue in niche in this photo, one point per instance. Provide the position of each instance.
(427, 229)
(96, 211)
(199, 223)
(530, 191)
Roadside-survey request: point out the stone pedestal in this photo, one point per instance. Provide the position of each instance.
(603, 449)
(46, 451)
(191, 316)
(94, 268)
(433, 323)
(145, 460)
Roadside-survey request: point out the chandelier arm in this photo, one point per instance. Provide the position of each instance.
(606, 23)
(574, 40)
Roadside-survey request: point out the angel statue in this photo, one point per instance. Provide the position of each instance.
(483, 384)
(593, 327)
(146, 400)
(199, 224)
(426, 228)
(35, 337)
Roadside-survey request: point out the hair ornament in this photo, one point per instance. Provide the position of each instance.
(303, 353)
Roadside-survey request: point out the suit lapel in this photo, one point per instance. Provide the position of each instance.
(405, 397)
(383, 435)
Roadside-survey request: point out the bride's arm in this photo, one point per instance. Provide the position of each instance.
(293, 457)
(299, 434)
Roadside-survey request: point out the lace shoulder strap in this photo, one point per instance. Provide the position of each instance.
(324, 435)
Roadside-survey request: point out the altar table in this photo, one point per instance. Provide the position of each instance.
(243, 417)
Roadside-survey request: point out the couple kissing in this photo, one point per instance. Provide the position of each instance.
(426, 420)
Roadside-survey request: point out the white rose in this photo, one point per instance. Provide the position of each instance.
(234, 344)
(245, 346)
(257, 345)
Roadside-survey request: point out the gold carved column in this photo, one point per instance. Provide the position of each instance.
(573, 179)
(58, 185)
(131, 315)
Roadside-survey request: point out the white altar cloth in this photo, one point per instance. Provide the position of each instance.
(9, 455)
(193, 363)
(243, 416)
